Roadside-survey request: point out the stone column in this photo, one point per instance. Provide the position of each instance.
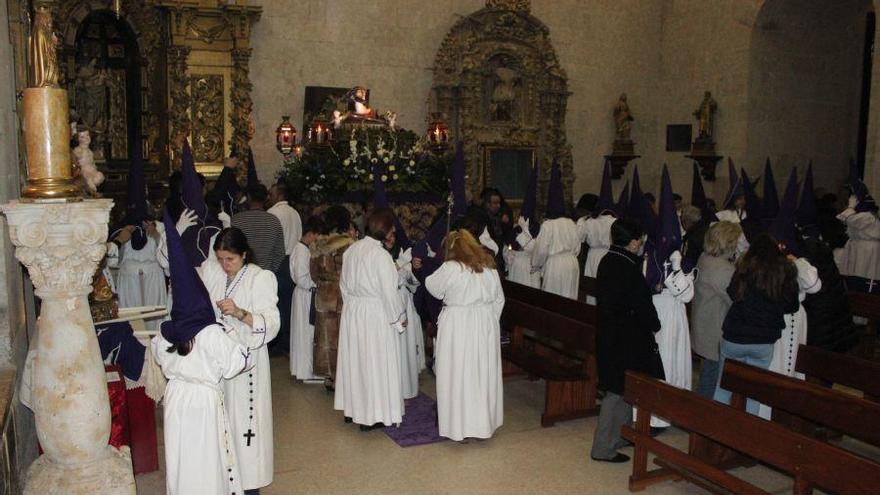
(61, 244)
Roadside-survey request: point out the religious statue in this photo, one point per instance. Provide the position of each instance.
(43, 49)
(504, 93)
(92, 177)
(338, 117)
(706, 117)
(391, 117)
(91, 97)
(358, 102)
(622, 119)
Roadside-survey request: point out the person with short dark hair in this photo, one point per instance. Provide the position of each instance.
(626, 324)
(368, 386)
(291, 227)
(302, 312)
(262, 229)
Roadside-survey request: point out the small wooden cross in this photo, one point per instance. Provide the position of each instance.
(250, 434)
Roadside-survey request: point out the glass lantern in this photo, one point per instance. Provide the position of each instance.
(285, 136)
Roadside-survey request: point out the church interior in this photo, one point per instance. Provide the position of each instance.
(334, 98)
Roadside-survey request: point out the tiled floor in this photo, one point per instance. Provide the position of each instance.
(315, 452)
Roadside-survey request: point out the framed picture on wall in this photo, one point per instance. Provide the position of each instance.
(678, 137)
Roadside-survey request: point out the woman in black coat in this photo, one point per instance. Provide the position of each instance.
(829, 319)
(626, 325)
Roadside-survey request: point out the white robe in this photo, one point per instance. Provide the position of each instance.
(556, 250)
(368, 365)
(140, 280)
(794, 334)
(302, 333)
(674, 337)
(596, 232)
(411, 340)
(519, 263)
(256, 291)
(194, 414)
(470, 393)
(861, 254)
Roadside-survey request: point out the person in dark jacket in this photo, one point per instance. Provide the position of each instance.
(829, 319)
(627, 322)
(763, 289)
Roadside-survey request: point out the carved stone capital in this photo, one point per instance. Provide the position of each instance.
(61, 244)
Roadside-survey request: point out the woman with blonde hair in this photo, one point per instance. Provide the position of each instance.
(711, 301)
(470, 397)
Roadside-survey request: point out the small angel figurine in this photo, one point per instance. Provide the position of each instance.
(391, 117)
(86, 161)
(338, 117)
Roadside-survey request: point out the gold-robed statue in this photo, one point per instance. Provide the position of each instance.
(706, 117)
(43, 49)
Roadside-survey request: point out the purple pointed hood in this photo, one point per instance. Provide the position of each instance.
(639, 209)
(782, 227)
(864, 200)
(668, 238)
(555, 194)
(606, 196)
(807, 214)
(698, 194)
(192, 185)
(457, 182)
(530, 202)
(196, 239)
(735, 189)
(191, 309)
(622, 201)
(753, 202)
(770, 200)
(252, 179)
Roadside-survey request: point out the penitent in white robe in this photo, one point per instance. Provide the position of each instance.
(368, 365)
(412, 340)
(556, 250)
(199, 457)
(302, 333)
(674, 338)
(596, 232)
(519, 263)
(861, 254)
(470, 393)
(140, 280)
(794, 334)
(249, 395)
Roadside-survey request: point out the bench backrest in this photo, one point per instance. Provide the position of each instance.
(842, 369)
(574, 335)
(864, 304)
(570, 308)
(843, 412)
(819, 463)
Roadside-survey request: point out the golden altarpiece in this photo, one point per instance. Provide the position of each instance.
(154, 71)
(499, 83)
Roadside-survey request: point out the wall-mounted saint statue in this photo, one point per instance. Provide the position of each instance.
(622, 119)
(706, 117)
(43, 49)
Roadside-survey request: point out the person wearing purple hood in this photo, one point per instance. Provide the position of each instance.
(196, 355)
(861, 254)
(558, 244)
(735, 202)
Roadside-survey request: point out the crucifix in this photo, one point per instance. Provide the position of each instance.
(250, 434)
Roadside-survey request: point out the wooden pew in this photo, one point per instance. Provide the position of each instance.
(867, 306)
(843, 412)
(586, 288)
(553, 338)
(812, 463)
(842, 369)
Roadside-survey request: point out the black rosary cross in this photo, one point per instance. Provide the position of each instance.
(250, 434)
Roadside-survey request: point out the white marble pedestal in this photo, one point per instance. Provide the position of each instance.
(61, 244)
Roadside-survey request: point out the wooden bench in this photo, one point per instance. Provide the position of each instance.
(552, 338)
(867, 306)
(812, 463)
(843, 412)
(841, 369)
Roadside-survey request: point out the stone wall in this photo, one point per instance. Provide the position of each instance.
(787, 84)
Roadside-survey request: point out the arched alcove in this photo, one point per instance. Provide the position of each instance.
(805, 86)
